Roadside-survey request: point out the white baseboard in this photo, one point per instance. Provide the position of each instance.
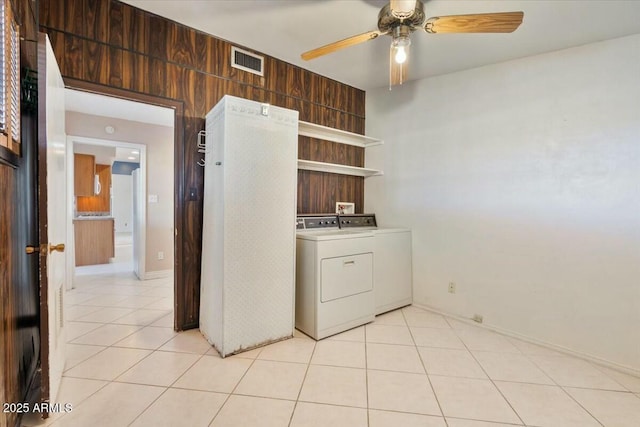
(160, 274)
(595, 359)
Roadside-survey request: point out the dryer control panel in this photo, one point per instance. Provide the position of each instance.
(317, 222)
(358, 220)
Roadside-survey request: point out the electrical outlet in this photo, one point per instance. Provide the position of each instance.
(160, 255)
(452, 288)
(477, 318)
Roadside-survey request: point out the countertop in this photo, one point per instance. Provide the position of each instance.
(92, 218)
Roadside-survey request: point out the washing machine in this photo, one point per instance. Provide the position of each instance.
(334, 276)
(392, 269)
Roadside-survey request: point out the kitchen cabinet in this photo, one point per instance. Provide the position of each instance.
(84, 169)
(313, 130)
(94, 240)
(100, 202)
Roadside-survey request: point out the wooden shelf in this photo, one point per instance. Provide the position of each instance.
(336, 168)
(325, 133)
(329, 134)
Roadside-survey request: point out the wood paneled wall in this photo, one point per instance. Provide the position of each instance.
(112, 44)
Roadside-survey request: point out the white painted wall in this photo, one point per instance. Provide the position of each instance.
(121, 206)
(521, 182)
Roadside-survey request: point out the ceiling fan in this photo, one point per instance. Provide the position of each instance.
(400, 18)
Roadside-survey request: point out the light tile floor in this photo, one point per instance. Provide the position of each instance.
(411, 367)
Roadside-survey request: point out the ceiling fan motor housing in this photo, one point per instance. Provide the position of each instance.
(387, 21)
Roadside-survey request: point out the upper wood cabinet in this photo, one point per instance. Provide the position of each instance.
(101, 202)
(84, 170)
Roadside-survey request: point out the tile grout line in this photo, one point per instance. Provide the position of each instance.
(304, 378)
(366, 371)
(489, 377)
(424, 367)
(234, 387)
(166, 387)
(599, 368)
(557, 384)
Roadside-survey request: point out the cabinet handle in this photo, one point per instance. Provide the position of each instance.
(349, 263)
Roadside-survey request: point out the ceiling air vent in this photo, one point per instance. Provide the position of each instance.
(247, 61)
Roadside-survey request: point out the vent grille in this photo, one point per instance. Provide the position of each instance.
(247, 61)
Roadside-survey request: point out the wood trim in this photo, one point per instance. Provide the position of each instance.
(8, 157)
(180, 322)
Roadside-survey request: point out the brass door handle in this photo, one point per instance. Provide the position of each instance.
(43, 248)
(59, 247)
(33, 249)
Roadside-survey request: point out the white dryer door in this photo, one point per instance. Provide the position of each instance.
(345, 276)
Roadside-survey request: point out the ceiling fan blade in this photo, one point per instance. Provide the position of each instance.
(503, 22)
(332, 47)
(398, 71)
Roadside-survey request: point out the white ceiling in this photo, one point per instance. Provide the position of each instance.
(286, 28)
(118, 108)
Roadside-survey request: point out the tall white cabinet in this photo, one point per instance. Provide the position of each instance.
(248, 240)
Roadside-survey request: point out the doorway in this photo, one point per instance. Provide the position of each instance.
(111, 301)
(134, 132)
(125, 188)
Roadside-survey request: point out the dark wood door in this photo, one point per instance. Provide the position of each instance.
(19, 286)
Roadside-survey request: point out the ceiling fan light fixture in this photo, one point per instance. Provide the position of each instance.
(400, 49)
(399, 55)
(402, 9)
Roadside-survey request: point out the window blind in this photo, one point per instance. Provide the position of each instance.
(14, 45)
(3, 68)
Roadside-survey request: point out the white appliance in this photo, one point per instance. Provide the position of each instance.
(392, 279)
(334, 277)
(248, 243)
(392, 269)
